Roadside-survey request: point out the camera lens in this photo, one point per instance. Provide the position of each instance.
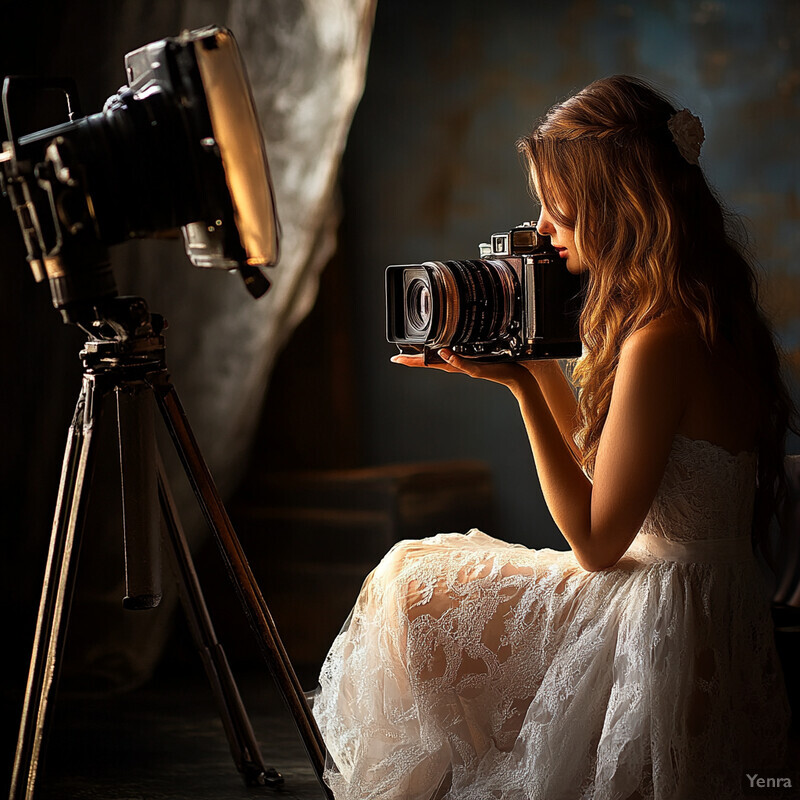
(418, 306)
(477, 300)
(444, 303)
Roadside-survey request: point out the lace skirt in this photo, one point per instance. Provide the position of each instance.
(471, 668)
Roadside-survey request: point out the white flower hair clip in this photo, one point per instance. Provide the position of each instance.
(687, 133)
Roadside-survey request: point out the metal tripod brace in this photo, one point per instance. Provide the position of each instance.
(125, 354)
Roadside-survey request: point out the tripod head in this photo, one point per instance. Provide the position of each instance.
(123, 330)
(179, 147)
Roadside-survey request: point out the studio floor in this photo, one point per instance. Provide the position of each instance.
(166, 741)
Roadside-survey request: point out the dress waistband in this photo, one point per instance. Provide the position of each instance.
(700, 551)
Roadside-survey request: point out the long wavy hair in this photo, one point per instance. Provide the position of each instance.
(654, 237)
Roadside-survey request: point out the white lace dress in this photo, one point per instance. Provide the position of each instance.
(472, 669)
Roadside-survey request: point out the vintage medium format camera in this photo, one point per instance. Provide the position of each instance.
(517, 302)
(179, 147)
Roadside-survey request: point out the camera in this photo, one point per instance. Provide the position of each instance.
(179, 147)
(517, 302)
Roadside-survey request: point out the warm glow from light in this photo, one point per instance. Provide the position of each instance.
(241, 145)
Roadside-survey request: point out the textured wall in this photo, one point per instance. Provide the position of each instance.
(432, 170)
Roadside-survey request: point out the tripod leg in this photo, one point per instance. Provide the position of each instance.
(240, 573)
(242, 740)
(57, 590)
(141, 520)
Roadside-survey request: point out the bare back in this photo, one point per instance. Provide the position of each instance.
(722, 403)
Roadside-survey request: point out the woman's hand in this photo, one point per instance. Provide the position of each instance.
(508, 374)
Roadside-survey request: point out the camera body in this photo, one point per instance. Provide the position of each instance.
(517, 302)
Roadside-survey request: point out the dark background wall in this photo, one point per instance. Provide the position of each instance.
(431, 170)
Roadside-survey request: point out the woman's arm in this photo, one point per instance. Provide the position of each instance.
(600, 519)
(560, 399)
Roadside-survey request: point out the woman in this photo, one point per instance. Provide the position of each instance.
(640, 663)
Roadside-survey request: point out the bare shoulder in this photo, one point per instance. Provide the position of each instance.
(673, 338)
(713, 396)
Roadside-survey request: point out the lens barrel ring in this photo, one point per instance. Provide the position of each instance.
(446, 303)
(473, 301)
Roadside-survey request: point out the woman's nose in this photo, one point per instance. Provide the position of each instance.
(544, 224)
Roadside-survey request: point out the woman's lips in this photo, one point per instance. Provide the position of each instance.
(562, 252)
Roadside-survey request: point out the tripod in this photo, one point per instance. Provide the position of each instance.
(125, 354)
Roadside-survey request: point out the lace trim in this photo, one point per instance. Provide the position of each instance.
(704, 444)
